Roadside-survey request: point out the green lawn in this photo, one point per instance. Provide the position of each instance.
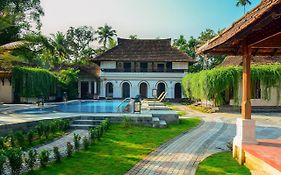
(221, 164)
(118, 151)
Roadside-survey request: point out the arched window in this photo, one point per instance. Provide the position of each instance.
(177, 90)
(160, 88)
(125, 90)
(143, 90)
(109, 90)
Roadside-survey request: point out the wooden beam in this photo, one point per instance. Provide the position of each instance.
(246, 100)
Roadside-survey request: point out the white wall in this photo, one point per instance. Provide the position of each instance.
(6, 92)
(108, 65)
(180, 65)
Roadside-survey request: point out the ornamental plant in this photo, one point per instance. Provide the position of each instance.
(14, 156)
(19, 136)
(2, 161)
(2, 142)
(69, 149)
(76, 140)
(30, 136)
(31, 159)
(44, 158)
(57, 154)
(86, 143)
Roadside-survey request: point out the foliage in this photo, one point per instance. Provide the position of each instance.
(93, 133)
(2, 161)
(243, 3)
(220, 164)
(44, 158)
(14, 156)
(181, 113)
(201, 108)
(57, 154)
(33, 82)
(86, 143)
(212, 84)
(69, 81)
(31, 158)
(76, 140)
(133, 37)
(2, 141)
(126, 122)
(119, 150)
(69, 149)
(105, 34)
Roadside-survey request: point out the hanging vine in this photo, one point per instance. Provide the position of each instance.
(212, 84)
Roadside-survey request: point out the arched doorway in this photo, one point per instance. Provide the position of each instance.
(160, 88)
(143, 90)
(109, 89)
(125, 90)
(177, 90)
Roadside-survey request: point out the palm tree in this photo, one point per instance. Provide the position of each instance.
(243, 3)
(105, 33)
(60, 46)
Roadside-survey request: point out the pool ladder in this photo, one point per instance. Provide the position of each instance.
(126, 99)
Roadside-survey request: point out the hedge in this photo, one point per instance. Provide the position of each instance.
(212, 84)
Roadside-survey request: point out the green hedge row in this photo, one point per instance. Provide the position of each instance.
(212, 84)
(36, 82)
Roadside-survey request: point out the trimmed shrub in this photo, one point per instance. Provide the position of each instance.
(2, 142)
(57, 154)
(31, 159)
(86, 143)
(93, 133)
(69, 149)
(44, 158)
(14, 156)
(19, 136)
(2, 161)
(76, 140)
(30, 136)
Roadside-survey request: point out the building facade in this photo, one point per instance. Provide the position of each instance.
(139, 67)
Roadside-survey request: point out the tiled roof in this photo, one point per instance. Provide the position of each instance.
(257, 60)
(143, 50)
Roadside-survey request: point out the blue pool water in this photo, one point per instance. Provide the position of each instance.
(99, 106)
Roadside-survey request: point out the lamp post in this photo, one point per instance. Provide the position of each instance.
(137, 105)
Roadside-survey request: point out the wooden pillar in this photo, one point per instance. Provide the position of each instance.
(246, 100)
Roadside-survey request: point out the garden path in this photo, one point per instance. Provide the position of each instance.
(182, 155)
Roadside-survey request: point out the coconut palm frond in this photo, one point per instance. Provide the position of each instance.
(13, 45)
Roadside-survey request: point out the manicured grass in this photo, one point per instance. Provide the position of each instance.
(221, 164)
(181, 113)
(118, 151)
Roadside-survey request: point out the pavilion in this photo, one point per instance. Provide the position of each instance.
(258, 33)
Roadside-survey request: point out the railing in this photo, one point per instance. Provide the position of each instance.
(146, 70)
(118, 107)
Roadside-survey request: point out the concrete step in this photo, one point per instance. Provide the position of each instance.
(97, 122)
(82, 126)
(162, 124)
(155, 119)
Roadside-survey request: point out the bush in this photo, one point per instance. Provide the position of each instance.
(126, 122)
(76, 140)
(86, 143)
(14, 156)
(19, 136)
(44, 158)
(2, 161)
(30, 136)
(57, 154)
(11, 139)
(93, 132)
(31, 159)
(69, 149)
(2, 142)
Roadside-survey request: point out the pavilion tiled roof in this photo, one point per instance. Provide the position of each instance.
(253, 28)
(144, 50)
(257, 60)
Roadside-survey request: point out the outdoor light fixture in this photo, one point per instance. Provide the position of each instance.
(137, 105)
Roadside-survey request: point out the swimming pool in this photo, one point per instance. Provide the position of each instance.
(89, 106)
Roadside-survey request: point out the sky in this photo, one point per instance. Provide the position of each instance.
(144, 18)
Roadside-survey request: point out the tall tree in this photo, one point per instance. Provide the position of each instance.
(105, 34)
(80, 40)
(243, 3)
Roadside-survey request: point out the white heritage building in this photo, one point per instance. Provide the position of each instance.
(136, 67)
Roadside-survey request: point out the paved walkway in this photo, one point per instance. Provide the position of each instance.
(182, 155)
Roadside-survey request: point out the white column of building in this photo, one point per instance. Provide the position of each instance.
(134, 88)
(152, 85)
(102, 88)
(117, 89)
(96, 87)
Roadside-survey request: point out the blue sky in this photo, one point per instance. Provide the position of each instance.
(145, 18)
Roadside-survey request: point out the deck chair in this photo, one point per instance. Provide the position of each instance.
(163, 97)
(160, 96)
